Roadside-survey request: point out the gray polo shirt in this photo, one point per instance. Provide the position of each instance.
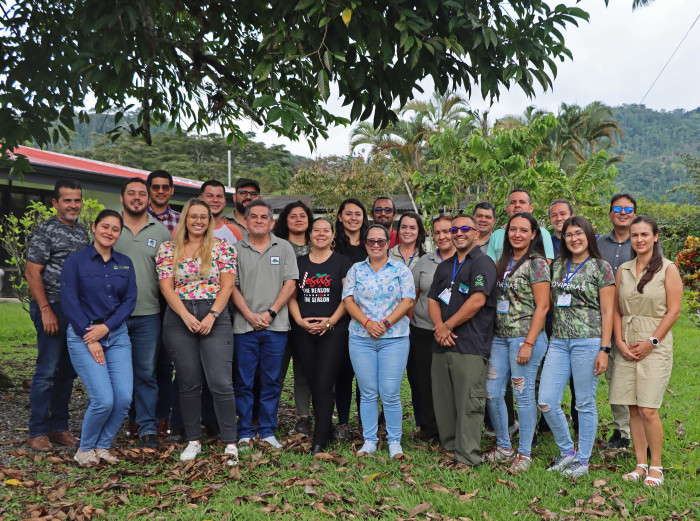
(142, 250)
(260, 277)
(616, 253)
(423, 272)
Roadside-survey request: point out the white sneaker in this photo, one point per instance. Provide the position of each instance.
(369, 447)
(272, 441)
(244, 444)
(562, 462)
(232, 451)
(191, 451)
(395, 448)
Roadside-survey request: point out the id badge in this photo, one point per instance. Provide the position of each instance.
(502, 306)
(445, 296)
(564, 300)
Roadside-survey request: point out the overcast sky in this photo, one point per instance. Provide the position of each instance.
(617, 56)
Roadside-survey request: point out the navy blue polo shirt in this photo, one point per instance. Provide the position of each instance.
(95, 290)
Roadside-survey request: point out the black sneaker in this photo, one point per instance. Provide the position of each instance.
(304, 425)
(177, 434)
(616, 441)
(149, 441)
(344, 432)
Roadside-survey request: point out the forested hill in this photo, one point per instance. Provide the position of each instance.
(651, 144)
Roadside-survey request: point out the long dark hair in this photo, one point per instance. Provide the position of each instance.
(536, 248)
(656, 261)
(420, 241)
(342, 242)
(587, 228)
(281, 229)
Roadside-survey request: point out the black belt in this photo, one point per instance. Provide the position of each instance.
(99, 321)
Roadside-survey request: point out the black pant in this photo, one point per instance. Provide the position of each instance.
(321, 358)
(421, 356)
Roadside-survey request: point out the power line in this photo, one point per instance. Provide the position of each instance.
(669, 60)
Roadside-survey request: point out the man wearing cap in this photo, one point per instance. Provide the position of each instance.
(247, 190)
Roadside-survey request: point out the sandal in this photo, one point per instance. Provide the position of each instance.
(636, 476)
(655, 482)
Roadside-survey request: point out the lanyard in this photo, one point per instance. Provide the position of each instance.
(440, 255)
(568, 267)
(505, 275)
(410, 260)
(455, 270)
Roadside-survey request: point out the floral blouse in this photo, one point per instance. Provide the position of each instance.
(189, 284)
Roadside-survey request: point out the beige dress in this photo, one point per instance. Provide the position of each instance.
(642, 383)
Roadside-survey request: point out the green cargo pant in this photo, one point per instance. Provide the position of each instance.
(459, 398)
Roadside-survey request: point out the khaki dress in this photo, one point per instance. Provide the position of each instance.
(642, 383)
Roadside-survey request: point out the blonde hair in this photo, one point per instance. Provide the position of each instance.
(204, 252)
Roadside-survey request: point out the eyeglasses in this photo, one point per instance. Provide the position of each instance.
(158, 188)
(379, 242)
(385, 209)
(464, 229)
(620, 209)
(569, 236)
(195, 218)
(248, 193)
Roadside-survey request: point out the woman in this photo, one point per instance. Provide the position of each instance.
(293, 226)
(583, 295)
(520, 343)
(197, 273)
(412, 235)
(421, 354)
(350, 227)
(647, 304)
(320, 325)
(98, 293)
(378, 293)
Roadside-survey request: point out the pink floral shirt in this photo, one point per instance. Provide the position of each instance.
(189, 284)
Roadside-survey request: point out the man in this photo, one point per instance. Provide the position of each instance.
(615, 248)
(161, 189)
(559, 211)
(247, 191)
(213, 193)
(140, 239)
(462, 305)
(518, 201)
(485, 217)
(265, 280)
(384, 213)
(52, 383)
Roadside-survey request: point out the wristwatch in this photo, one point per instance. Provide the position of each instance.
(607, 348)
(386, 323)
(654, 341)
(215, 314)
(273, 314)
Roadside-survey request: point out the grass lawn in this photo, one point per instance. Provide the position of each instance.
(291, 484)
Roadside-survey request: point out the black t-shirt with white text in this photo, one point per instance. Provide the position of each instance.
(320, 286)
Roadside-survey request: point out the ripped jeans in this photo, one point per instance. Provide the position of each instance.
(571, 357)
(504, 369)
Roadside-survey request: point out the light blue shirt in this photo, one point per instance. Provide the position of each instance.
(378, 293)
(496, 244)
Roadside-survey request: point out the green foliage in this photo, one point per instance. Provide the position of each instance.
(330, 180)
(676, 222)
(688, 262)
(194, 64)
(692, 187)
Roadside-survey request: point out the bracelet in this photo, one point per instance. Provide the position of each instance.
(368, 321)
(328, 325)
(448, 326)
(525, 342)
(45, 306)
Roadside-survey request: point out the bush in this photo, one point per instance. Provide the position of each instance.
(688, 262)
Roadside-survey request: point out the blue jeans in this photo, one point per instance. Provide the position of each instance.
(266, 350)
(108, 386)
(571, 357)
(504, 367)
(52, 383)
(379, 366)
(144, 332)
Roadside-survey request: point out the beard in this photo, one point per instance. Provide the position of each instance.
(135, 213)
(240, 207)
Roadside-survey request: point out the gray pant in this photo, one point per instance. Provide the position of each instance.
(620, 413)
(459, 399)
(198, 356)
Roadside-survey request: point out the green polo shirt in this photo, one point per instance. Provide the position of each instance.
(260, 277)
(142, 250)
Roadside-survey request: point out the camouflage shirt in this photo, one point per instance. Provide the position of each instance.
(521, 300)
(49, 245)
(582, 319)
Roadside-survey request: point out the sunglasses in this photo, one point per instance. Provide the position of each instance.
(379, 242)
(464, 229)
(246, 193)
(158, 188)
(620, 209)
(385, 209)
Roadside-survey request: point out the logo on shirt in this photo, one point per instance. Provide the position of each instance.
(274, 261)
(463, 288)
(479, 281)
(121, 267)
(152, 243)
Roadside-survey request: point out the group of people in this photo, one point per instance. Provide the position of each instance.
(488, 313)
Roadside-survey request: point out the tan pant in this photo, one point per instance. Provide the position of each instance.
(620, 413)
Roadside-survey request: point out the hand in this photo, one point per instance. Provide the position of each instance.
(641, 349)
(625, 352)
(97, 352)
(191, 322)
(524, 354)
(310, 325)
(259, 321)
(601, 363)
(48, 318)
(444, 336)
(375, 329)
(325, 328)
(95, 333)
(206, 324)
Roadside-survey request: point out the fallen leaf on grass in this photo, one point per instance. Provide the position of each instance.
(485, 515)
(543, 512)
(437, 488)
(322, 508)
(467, 497)
(507, 483)
(13, 482)
(621, 505)
(596, 499)
(422, 507)
(600, 482)
(57, 494)
(638, 501)
(372, 477)
(680, 431)
(310, 491)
